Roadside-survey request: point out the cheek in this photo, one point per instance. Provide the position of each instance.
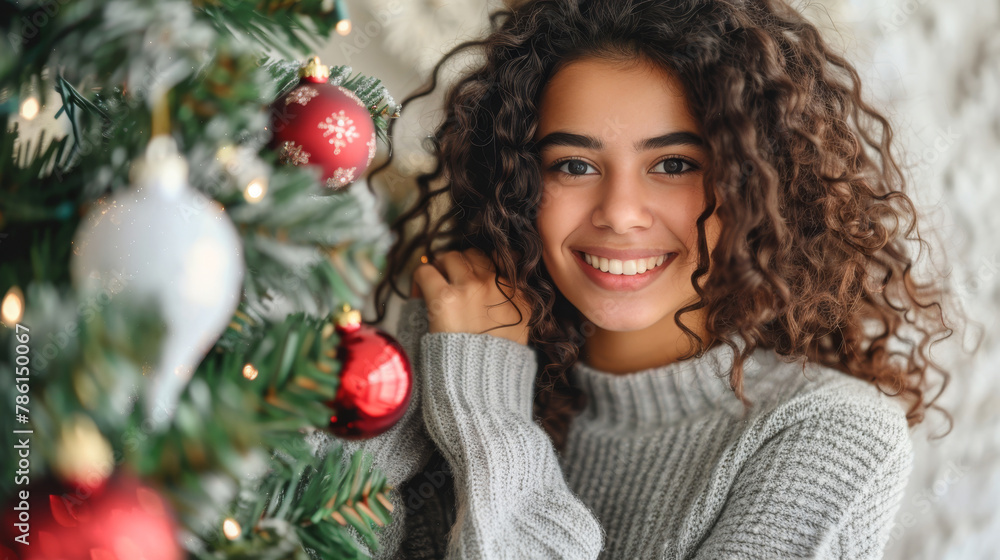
(556, 218)
(679, 211)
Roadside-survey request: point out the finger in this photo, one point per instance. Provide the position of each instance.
(456, 267)
(415, 289)
(479, 261)
(427, 279)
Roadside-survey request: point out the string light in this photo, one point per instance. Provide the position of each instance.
(30, 107)
(255, 190)
(12, 308)
(250, 372)
(344, 20)
(231, 528)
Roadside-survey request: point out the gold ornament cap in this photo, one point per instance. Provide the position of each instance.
(315, 71)
(83, 456)
(348, 318)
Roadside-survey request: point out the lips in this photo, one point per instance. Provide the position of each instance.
(621, 282)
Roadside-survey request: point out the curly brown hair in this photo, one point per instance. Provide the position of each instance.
(815, 255)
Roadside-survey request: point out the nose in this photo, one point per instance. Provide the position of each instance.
(622, 205)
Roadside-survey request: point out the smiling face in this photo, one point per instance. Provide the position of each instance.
(622, 164)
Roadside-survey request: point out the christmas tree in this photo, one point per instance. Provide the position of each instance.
(178, 276)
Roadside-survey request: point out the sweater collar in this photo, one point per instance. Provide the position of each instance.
(664, 394)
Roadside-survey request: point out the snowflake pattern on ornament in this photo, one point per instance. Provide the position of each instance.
(341, 177)
(301, 95)
(371, 150)
(342, 128)
(292, 153)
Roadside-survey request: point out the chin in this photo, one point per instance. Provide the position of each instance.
(619, 316)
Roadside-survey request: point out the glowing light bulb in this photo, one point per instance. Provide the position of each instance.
(344, 26)
(255, 190)
(231, 528)
(250, 372)
(12, 308)
(29, 109)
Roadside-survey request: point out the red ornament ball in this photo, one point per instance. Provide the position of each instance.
(376, 380)
(317, 123)
(123, 520)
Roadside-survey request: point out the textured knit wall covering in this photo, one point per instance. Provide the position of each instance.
(935, 68)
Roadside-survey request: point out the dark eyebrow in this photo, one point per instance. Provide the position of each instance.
(681, 138)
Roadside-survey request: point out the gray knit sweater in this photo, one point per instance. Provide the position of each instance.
(663, 462)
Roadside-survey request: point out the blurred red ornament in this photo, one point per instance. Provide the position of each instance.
(317, 123)
(376, 380)
(123, 520)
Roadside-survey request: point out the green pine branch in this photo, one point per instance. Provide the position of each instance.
(223, 427)
(235, 446)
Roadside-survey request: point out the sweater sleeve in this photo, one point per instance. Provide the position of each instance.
(825, 486)
(512, 499)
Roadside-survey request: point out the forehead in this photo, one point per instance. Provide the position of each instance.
(608, 99)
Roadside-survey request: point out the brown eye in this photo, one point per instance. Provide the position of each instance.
(676, 166)
(574, 167)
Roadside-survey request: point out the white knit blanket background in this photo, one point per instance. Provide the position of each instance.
(936, 67)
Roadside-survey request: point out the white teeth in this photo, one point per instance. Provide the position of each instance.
(627, 268)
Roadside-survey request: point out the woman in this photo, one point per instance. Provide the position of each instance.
(683, 218)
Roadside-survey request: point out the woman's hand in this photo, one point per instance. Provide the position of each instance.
(459, 288)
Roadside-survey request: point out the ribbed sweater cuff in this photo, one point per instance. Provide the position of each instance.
(479, 372)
